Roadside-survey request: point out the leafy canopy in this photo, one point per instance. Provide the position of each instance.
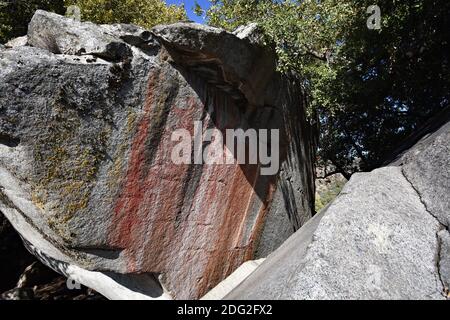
(369, 88)
(144, 13)
(16, 14)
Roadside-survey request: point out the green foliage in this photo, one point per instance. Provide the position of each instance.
(16, 14)
(144, 13)
(198, 10)
(370, 88)
(302, 32)
(387, 83)
(327, 194)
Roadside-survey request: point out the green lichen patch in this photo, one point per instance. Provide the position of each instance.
(67, 153)
(119, 157)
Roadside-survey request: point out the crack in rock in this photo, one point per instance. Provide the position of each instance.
(444, 260)
(445, 289)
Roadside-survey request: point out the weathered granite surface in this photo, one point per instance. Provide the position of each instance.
(386, 236)
(86, 117)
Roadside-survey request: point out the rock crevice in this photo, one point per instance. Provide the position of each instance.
(442, 283)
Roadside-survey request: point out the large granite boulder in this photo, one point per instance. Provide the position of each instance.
(386, 236)
(87, 114)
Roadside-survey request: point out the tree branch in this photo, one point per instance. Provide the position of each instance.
(327, 174)
(316, 54)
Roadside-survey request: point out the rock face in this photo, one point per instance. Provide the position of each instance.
(87, 114)
(385, 236)
(17, 42)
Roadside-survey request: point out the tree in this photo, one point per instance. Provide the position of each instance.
(16, 14)
(145, 13)
(370, 88)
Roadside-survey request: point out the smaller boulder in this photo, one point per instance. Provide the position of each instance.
(17, 42)
(61, 35)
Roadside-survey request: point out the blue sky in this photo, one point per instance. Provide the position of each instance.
(189, 5)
